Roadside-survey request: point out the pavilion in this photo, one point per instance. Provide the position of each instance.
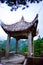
(21, 30)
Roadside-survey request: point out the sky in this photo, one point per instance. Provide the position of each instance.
(29, 14)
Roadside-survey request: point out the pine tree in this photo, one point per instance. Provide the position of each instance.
(18, 2)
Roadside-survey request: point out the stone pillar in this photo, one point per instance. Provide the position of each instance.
(30, 48)
(16, 46)
(7, 46)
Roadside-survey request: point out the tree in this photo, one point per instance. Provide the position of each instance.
(38, 46)
(15, 4)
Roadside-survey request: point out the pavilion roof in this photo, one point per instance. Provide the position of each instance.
(20, 26)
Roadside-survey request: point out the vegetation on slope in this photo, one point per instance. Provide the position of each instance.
(23, 46)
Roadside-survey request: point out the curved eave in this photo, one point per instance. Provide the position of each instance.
(32, 26)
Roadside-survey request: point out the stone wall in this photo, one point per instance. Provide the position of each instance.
(35, 61)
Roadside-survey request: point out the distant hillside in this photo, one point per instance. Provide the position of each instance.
(12, 44)
(23, 45)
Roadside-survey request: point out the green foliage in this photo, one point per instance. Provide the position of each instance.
(38, 46)
(2, 49)
(24, 49)
(15, 4)
(23, 46)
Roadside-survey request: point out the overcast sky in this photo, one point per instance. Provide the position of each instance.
(29, 14)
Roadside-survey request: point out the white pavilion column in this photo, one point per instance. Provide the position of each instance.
(16, 45)
(30, 46)
(7, 46)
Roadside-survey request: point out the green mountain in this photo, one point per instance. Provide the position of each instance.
(23, 45)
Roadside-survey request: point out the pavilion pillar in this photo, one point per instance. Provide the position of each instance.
(16, 46)
(30, 46)
(7, 46)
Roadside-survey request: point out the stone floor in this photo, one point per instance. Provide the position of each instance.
(13, 60)
(10, 64)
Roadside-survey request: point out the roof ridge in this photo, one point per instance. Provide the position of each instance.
(22, 19)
